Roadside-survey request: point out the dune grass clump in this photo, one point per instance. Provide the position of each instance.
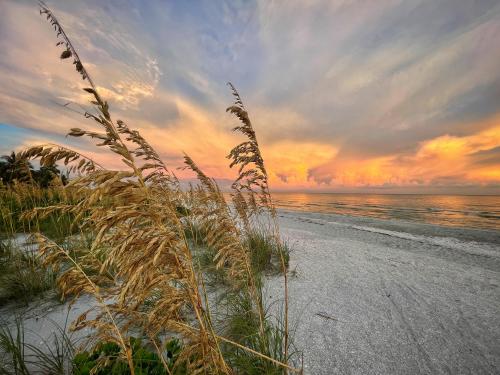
(22, 275)
(140, 266)
(53, 356)
(266, 252)
(13, 351)
(17, 198)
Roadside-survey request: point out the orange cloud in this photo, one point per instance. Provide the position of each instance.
(451, 155)
(445, 159)
(294, 164)
(289, 162)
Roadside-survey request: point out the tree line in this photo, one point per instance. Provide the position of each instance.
(15, 168)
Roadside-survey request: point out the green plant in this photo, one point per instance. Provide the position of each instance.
(17, 198)
(14, 167)
(20, 357)
(13, 351)
(105, 359)
(22, 274)
(266, 251)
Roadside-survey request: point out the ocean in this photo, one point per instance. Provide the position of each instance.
(468, 211)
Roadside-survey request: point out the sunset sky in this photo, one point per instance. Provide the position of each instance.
(386, 96)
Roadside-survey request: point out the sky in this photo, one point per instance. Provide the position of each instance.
(345, 96)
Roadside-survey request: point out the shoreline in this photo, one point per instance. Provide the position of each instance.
(388, 297)
(465, 233)
(446, 211)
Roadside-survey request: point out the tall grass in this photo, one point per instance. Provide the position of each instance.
(141, 266)
(21, 197)
(18, 356)
(22, 274)
(266, 252)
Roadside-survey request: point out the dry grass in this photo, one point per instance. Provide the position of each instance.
(21, 197)
(140, 265)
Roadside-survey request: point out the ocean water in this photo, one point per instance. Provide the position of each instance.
(468, 211)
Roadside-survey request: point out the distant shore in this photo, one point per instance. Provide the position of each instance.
(392, 297)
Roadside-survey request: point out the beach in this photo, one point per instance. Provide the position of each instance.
(372, 296)
(250, 187)
(368, 296)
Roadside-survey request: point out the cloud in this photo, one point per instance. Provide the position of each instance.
(444, 160)
(487, 157)
(282, 177)
(340, 94)
(289, 161)
(397, 74)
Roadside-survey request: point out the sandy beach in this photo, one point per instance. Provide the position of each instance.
(391, 297)
(372, 296)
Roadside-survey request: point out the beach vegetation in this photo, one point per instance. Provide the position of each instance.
(145, 239)
(22, 275)
(105, 359)
(266, 251)
(51, 356)
(17, 198)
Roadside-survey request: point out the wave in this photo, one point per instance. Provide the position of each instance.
(469, 247)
